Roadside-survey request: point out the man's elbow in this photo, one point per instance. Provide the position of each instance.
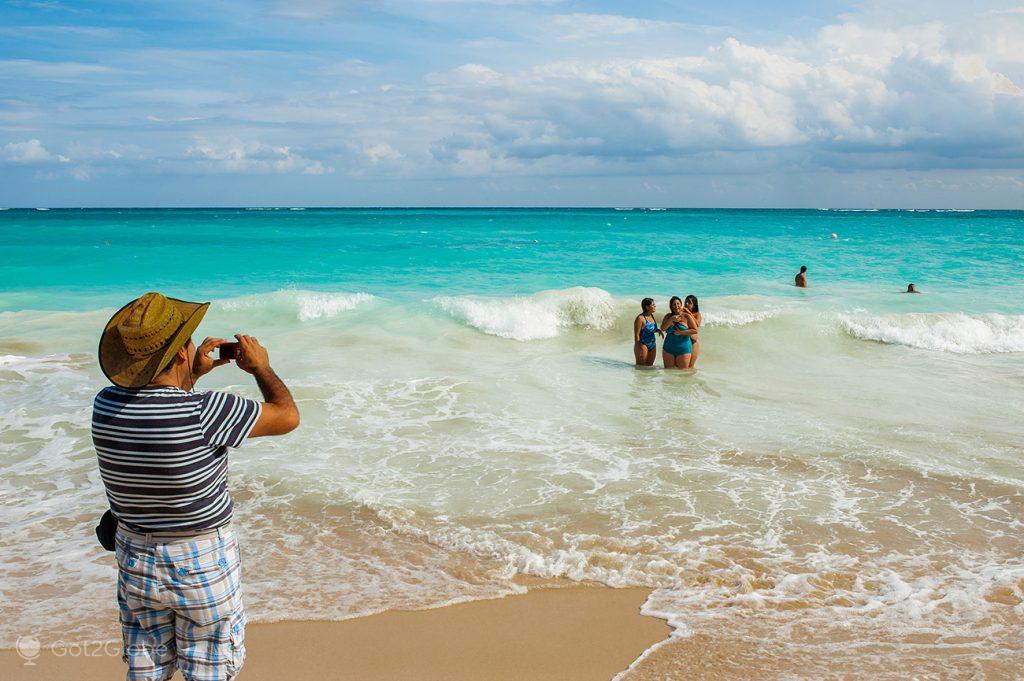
(289, 421)
(276, 421)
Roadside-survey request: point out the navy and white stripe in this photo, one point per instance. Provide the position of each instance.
(163, 454)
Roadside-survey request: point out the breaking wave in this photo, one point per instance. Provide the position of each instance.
(542, 315)
(726, 317)
(949, 332)
(304, 305)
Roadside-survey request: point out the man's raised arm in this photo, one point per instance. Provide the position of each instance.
(279, 415)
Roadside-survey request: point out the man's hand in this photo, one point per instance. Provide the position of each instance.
(252, 357)
(279, 415)
(203, 363)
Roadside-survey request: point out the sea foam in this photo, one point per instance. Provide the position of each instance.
(303, 305)
(949, 332)
(726, 317)
(542, 315)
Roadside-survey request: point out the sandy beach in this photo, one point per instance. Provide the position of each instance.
(554, 633)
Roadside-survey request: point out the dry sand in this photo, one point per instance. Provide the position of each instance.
(556, 633)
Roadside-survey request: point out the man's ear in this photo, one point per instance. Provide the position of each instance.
(182, 355)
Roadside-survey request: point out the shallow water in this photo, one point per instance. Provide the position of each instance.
(846, 460)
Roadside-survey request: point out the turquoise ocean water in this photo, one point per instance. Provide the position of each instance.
(78, 259)
(845, 461)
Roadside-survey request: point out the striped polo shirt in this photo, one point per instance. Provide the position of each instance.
(163, 454)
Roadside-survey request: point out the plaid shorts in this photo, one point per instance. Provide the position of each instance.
(181, 606)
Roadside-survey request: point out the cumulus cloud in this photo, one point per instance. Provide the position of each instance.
(381, 151)
(30, 152)
(236, 156)
(853, 89)
(553, 94)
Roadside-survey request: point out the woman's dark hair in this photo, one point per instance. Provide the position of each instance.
(692, 298)
(646, 303)
(672, 299)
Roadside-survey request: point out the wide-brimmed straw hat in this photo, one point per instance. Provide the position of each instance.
(141, 337)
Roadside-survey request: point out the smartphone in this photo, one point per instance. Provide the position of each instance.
(229, 351)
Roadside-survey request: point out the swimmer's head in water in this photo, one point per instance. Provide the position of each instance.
(911, 288)
(691, 303)
(803, 268)
(675, 303)
(647, 304)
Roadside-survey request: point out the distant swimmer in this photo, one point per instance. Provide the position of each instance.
(645, 326)
(833, 235)
(693, 307)
(912, 289)
(801, 279)
(680, 329)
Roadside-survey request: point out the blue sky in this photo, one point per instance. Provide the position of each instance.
(511, 102)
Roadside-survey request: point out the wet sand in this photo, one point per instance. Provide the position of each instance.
(760, 646)
(556, 633)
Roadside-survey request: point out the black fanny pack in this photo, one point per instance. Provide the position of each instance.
(106, 530)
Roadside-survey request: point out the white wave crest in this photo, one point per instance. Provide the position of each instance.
(738, 317)
(949, 332)
(542, 315)
(305, 305)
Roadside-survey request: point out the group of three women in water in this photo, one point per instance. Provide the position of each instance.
(678, 328)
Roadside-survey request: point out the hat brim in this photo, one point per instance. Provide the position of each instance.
(127, 371)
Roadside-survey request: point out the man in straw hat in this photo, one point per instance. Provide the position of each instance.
(163, 458)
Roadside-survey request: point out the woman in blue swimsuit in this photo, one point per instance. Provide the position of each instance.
(645, 349)
(680, 328)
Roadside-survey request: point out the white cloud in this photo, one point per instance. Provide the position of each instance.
(853, 92)
(59, 31)
(235, 156)
(312, 10)
(381, 152)
(493, 2)
(30, 152)
(582, 26)
(467, 74)
(353, 67)
(1008, 10)
(308, 9)
(32, 68)
(860, 94)
(489, 43)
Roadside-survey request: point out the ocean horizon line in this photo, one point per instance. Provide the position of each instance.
(466, 207)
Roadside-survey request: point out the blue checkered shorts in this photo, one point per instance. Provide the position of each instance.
(181, 606)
